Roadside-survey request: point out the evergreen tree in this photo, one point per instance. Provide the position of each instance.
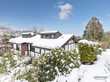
(94, 30)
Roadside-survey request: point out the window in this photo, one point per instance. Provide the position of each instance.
(17, 47)
(26, 35)
(37, 50)
(47, 36)
(66, 47)
(42, 51)
(52, 36)
(47, 51)
(32, 48)
(42, 36)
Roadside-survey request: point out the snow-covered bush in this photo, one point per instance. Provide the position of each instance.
(58, 62)
(6, 62)
(88, 51)
(9, 60)
(48, 66)
(2, 68)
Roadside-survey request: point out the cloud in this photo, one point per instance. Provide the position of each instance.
(65, 11)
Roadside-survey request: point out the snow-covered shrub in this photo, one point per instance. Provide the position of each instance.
(58, 62)
(2, 68)
(48, 66)
(7, 62)
(25, 72)
(88, 51)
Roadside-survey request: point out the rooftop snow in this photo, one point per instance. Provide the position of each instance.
(84, 41)
(28, 33)
(45, 32)
(44, 43)
(20, 39)
(52, 43)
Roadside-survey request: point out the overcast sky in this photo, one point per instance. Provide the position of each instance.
(68, 16)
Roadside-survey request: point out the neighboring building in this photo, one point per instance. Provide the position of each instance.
(34, 45)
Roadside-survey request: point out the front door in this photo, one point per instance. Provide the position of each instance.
(24, 49)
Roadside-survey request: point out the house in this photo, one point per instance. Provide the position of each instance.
(29, 44)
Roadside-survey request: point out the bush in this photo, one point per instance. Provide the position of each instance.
(58, 62)
(6, 62)
(2, 68)
(9, 60)
(88, 53)
(55, 63)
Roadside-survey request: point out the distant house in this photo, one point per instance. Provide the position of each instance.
(33, 45)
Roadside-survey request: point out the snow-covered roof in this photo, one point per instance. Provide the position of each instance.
(28, 33)
(20, 40)
(44, 43)
(52, 43)
(45, 32)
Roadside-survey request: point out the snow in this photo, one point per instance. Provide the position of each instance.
(73, 76)
(52, 31)
(98, 72)
(19, 69)
(9, 76)
(20, 81)
(52, 43)
(32, 33)
(20, 40)
(44, 43)
(84, 41)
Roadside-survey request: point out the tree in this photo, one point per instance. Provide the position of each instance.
(94, 30)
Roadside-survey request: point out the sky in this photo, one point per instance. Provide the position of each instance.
(68, 16)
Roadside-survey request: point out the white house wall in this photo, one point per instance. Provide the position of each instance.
(19, 46)
(18, 52)
(14, 46)
(70, 45)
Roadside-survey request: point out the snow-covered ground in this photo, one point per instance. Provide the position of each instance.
(98, 72)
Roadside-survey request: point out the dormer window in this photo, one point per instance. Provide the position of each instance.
(50, 34)
(27, 34)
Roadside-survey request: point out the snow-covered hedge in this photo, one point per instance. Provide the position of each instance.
(88, 51)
